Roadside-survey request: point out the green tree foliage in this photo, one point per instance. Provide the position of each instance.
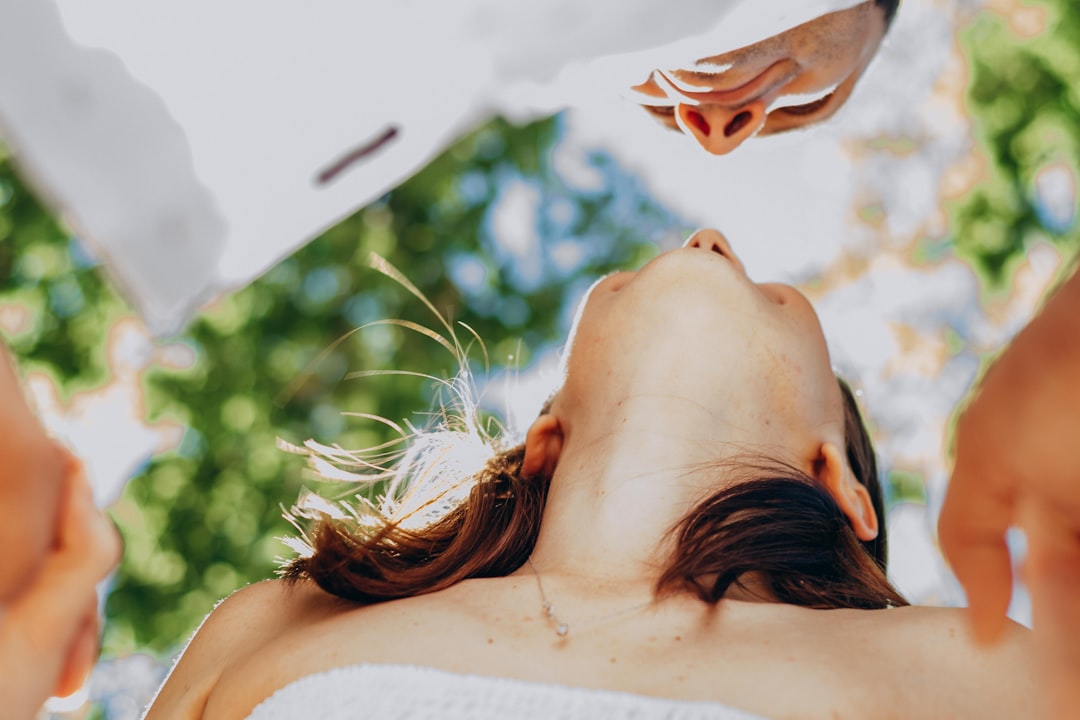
(204, 520)
(1024, 100)
(56, 306)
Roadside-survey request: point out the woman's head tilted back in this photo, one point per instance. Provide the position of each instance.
(690, 347)
(688, 370)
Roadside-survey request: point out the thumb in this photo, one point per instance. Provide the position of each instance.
(81, 655)
(971, 530)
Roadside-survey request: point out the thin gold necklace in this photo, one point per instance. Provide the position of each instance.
(560, 626)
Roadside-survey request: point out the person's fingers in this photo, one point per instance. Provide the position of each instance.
(82, 655)
(49, 614)
(971, 530)
(45, 634)
(88, 538)
(1052, 573)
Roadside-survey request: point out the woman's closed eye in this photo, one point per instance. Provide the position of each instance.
(665, 114)
(809, 108)
(660, 110)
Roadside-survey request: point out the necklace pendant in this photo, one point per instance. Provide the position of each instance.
(562, 629)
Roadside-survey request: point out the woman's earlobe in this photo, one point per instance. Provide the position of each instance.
(851, 495)
(543, 445)
(864, 519)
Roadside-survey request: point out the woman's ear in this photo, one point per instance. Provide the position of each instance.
(543, 444)
(851, 495)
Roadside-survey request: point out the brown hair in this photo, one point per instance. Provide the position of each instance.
(778, 524)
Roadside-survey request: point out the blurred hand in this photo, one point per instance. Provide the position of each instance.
(33, 468)
(1018, 464)
(48, 632)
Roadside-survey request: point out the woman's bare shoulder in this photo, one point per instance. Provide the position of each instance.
(933, 648)
(237, 627)
(949, 627)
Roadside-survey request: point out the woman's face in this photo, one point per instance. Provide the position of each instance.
(791, 80)
(692, 328)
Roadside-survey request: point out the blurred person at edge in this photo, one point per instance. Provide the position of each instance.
(1016, 464)
(193, 174)
(58, 546)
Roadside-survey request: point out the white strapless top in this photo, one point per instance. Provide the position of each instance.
(400, 692)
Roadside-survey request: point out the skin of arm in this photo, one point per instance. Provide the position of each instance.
(1018, 464)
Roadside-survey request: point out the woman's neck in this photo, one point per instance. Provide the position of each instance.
(619, 490)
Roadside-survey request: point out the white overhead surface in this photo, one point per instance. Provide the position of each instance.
(194, 144)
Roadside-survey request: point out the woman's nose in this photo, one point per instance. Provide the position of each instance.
(719, 129)
(714, 241)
